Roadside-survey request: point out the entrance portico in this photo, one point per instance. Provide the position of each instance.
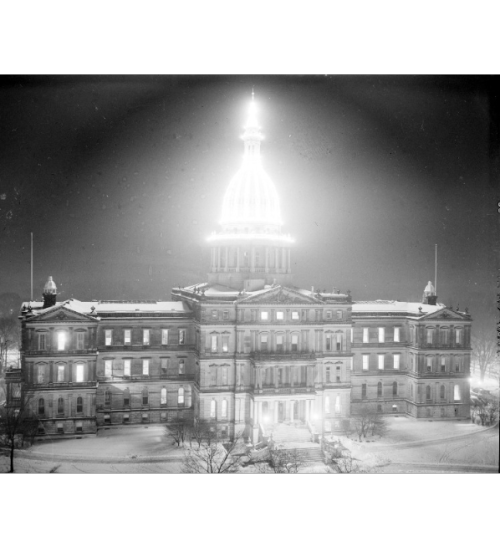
(274, 410)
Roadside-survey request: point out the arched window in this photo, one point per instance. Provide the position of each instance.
(163, 396)
(213, 408)
(337, 404)
(379, 389)
(79, 404)
(41, 406)
(224, 408)
(145, 396)
(180, 396)
(427, 392)
(107, 397)
(394, 388)
(456, 392)
(60, 405)
(441, 391)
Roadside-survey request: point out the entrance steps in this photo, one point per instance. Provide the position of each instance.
(282, 433)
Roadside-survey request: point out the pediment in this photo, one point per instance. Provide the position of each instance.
(281, 295)
(61, 314)
(445, 314)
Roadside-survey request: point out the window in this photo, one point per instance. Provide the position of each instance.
(224, 375)
(329, 314)
(107, 419)
(213, 375)
(381, 335)
(164, 337)
(213, 408)
(263, 342)
(42, 341)
(79, 373)
(328, 342)
(213, 345)
(225, 314)
(441, 391)
(295, 342)
(394, 388)
(379, 389)
(163, 396)
(182, 337)
(145, 418)
(444, 337)
(225, 343)
(363, 391)
(108, 337)
(164, 365)
(60, 427)
(126, 367)
(366, 362)
(365, 336)
(456, 393)
(429, 336)
(443, 364)
(60, 405)
(223, 412)
(107, 397)
(145, 367)
(457, 364)
(279, 342)
(180, 396)
(396, 334)
(442, 413)
(79, 427)
(60, 373)
(327, 405)
(328, 377)
(264, 315)
(126, 397)
(79, 405)
(61, 341)
(337, 404)
(295, 315)
(381, 362)
(397, 358)
(79, 340)
(427, 392)
(280, 315)
(108, 368)
(145, 337)
(429, 363)
(145, 396)
(339, 342)
(457, 336)
(215, 314)
(41, 407)
(339, 315)
(379, 408)
(127, 337)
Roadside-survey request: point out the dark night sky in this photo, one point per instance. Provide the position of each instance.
(121, 180)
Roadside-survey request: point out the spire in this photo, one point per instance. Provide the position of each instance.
(252, 135)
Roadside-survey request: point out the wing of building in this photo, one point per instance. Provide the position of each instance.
(245, 350)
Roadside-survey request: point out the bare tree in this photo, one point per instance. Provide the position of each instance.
(378, 424)
(18, 425)
(362, 421)
(213, 456)
(484, 351)
(345, 465)
(283, 460)
(179, 431)
(10, 338)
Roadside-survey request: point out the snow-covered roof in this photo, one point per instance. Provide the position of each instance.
(393, 306)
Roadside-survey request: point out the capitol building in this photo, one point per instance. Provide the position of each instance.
(244, 349)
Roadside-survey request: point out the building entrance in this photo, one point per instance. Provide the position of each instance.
(281, 412)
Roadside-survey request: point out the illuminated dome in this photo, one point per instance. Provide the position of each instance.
(251, 197)
(50, 286)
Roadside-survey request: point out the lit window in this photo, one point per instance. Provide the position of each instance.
(79, 373)
(213, 408)
(381, 335)
(225, 343)
(213, 346)
(264, 315)
(365, 335)
(396, 334)
(279, 342)
(127, 336)
(60, 405)
(263, 342)
(41, 407)
(381, 362)
(394, 388)
(108, 337)
(379, 389)
(79, 405)
(457, 336)
(79, 340)
(164, 337)
(108, 368)
(145, 337)
(60, 373)
(79, 427)
(224, 409)
(280, 315)
(443, 364)
(337, 404)
(366, 362)
(327, 405)
(396, 361)
(429, 336)
(295, 315)
(145, 367)
(164, 365)
(328, 342)
(61, 341)
(429, 363)
(180, 396)
(182, 336)
(145, 396)
(181, 366)
(295, 342)
(339, 315)
(42, 341)
(126, 367)
(339, 342)
(163, 396)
